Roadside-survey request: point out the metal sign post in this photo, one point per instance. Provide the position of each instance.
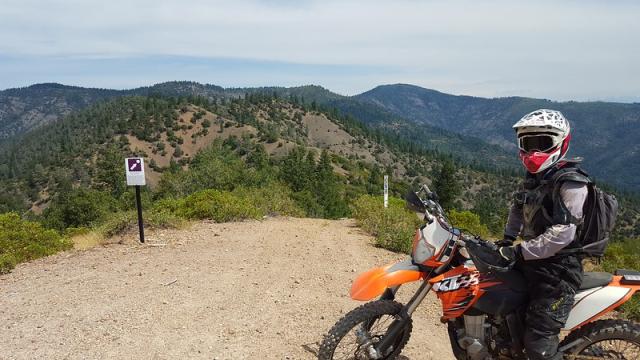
(135, 177)
(386, 191)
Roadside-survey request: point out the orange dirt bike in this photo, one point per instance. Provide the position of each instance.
(482, 300)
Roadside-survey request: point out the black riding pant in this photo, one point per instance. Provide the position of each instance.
(552, 286)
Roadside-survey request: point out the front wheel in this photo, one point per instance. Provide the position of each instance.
(604, 339)
(355, 335)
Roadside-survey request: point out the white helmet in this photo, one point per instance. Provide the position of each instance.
(543, 139)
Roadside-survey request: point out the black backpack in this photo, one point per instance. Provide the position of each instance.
(599, 215)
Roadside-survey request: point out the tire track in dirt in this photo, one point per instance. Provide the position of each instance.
(252, 290)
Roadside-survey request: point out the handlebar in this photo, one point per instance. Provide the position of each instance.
(431, 195)
(466, 239)
(484, 254)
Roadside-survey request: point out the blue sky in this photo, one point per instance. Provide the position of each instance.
(562, 50)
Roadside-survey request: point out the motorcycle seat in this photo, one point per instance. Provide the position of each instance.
(595, 279)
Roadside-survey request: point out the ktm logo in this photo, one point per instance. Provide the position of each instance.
(457, 282)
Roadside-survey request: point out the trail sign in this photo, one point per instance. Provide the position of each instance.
(135, 171)
(134, 168)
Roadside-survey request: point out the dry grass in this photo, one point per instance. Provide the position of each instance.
(87, 240)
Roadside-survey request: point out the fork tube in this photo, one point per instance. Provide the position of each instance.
(417, 298)
(398, 325)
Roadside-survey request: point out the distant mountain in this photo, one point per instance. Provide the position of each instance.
(24, 109)
(477, 130)
(466, 147)
(28, 108)
(306, 94)
(604, 133)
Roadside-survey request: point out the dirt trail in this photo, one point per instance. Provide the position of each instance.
(254, 290)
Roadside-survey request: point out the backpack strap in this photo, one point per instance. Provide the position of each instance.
(571, 174)
(561, 214)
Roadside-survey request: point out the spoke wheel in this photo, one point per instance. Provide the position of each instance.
(605, 339)
(611, 349)
(354, 336)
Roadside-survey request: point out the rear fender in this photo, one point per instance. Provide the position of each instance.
(374, 282)
(591, 304)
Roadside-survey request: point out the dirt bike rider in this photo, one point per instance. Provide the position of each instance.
(546, 214)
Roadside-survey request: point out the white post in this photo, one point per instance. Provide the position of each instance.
(386, 191)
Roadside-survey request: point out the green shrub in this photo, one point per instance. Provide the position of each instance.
(166, 205)
(22, 240)
(393, 227)
(77, 208)
(216, 167)
(7, 262)
(624, 255)
(119, 222)
(220, 206)
(468, 222)
(273, 199)
(631, 309)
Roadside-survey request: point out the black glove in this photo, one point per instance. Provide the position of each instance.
(504, 242)
(510, 253)
(507, 241)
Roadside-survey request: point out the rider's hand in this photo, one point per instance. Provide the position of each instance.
(504, 242)
(510, 253)
(507, 241)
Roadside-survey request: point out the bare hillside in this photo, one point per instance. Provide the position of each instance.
(295, 127)
(252, 290)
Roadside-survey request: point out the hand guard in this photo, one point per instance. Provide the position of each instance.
(510, 253)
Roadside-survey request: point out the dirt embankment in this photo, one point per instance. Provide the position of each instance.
(252, 290)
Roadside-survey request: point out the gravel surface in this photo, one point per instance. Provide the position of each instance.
(253, 290)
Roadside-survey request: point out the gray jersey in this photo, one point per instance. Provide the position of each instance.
(556, 237)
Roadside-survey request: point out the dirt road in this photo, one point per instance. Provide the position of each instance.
(254, 290)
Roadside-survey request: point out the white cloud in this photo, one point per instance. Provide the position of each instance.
(570, 49)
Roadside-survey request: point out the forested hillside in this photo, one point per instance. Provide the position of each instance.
(84, 149)
(24, 109)
(605, 134)
(222, 159)
(30, 107)
(227, 159)
(27, 108)
(461, 126)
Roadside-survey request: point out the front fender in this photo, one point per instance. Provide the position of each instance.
(372, 283)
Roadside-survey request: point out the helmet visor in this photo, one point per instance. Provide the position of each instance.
(541, 143)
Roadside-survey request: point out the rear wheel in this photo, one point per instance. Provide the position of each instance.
(353, 336)
(604, 339)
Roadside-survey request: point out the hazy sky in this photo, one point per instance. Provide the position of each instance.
(580, 50)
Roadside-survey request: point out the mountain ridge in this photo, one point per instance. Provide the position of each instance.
(405, 109)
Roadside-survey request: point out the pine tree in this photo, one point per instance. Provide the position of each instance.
(327, 189)
(375, 181)
(295, 170)
(177, 152)
(447, 185)
(110, 172)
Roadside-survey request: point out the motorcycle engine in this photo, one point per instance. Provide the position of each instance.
(473, 339)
